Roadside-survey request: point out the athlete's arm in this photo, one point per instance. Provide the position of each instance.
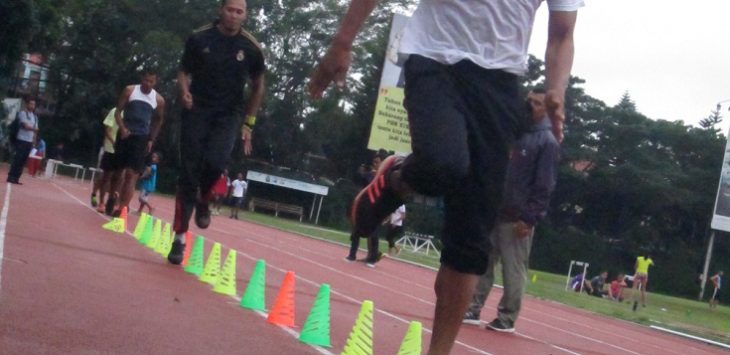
(183, 84)
(336, 62)
(258, 88)
(121, 103)
(558, 62)
(157, 120)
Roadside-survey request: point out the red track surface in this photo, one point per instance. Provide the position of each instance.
(67, 286)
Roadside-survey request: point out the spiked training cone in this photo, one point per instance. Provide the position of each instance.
(283, 311)
(156, 234)
(188, 248)
(254, 296)
(164, 244)
(147, 233)
(411, 344)
(116, 225)
(141, 223)
(195, 262)
(212, 266)
(360, 341)
(316, 329)
(226, 283)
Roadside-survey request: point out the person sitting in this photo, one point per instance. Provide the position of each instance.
(616, 289)
(577, 281)
(597, 284)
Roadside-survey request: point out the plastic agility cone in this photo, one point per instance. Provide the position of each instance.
(195, 262)
(534, 278)
(123, 216)
(254, 296)
(165, 242)
(147, 233)
(226, 283)
(213, 266)
(188, 248)
(283, 311)
(316, 329)
(411, 344)
(360, 341)
(141, 223)
(156, 231)
(116, 225)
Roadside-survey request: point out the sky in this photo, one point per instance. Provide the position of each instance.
(671, 56)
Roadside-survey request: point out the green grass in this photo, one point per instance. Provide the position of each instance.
(675, 313)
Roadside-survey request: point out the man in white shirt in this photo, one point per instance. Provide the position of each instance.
(395, 229)
(462, 61)
(27, 133)
(239, 187)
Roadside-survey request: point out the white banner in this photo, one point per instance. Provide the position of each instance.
(721, 215)
(287, 183)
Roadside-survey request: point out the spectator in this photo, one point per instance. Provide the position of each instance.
(717, 284)
(577, 281)
(616, 289)
(26, 138)
(36, 157)
(239, 187)
(395, 229)
(597, 284)
(148, 183)
(641, 276)
(220, 191)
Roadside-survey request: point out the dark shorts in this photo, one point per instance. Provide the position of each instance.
(130, 153)
(462, 120)
(237, 201)
(108, 162)
(715, 294)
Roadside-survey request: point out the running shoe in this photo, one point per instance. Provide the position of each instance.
(472, 318)
(176, 252)
(377, 200)
(369, 262)
(109, 207)
(500, 326)
(202, 215)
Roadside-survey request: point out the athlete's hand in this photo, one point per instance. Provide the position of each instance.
(522, 229)
(246, 135)
(332, 67)
(124, 132)
(554, 102)
(149, 146)
(187, 100)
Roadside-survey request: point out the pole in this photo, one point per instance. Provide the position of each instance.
(706, 269)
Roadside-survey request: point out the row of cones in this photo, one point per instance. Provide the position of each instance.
(316, 330)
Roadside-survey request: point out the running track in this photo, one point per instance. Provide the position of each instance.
(67, 286)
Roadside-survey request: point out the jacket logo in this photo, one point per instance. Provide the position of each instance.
(240, 56)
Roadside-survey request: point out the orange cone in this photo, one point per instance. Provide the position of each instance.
(283, 311)
(188, 248)
(123, 216)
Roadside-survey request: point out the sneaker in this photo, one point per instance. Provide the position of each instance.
(371, 262)
(472, 318)
(109, 207)
(175, 256)
(202, 215)
(349, 259)
(394, 251)
(377, 200)
(93, 201)
(500, 326)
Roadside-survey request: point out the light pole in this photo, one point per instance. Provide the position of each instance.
(711, 243)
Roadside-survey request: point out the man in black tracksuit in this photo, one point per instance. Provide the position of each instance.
(218, 61)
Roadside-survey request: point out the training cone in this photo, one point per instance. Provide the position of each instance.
(141, 223)
(165, 242)
(147, 232)
(226, 283)
(316, 329)
(156, 235)
(283, 311)
(188, 248)
(123, 216)
(411, 344)
(534, 278)
(212, 265)
(195, 262)
(254, 296)
(360, 341)
(116, 225)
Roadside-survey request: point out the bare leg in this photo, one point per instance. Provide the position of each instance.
(453, 292)
(127, 191)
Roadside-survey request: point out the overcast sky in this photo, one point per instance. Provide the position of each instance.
(673, 57)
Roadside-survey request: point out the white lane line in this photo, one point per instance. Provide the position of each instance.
(3, 224)
(708, 341)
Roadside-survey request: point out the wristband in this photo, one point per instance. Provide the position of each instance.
(250, 121)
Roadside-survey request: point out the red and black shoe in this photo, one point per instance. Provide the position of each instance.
(377, 200)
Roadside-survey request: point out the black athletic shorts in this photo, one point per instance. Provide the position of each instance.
(130, 153)
(108, 162)
(462, 120)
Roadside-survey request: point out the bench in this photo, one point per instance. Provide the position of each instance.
(276, 207)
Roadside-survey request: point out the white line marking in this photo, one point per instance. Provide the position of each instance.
(723, 345)
(3, 224)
